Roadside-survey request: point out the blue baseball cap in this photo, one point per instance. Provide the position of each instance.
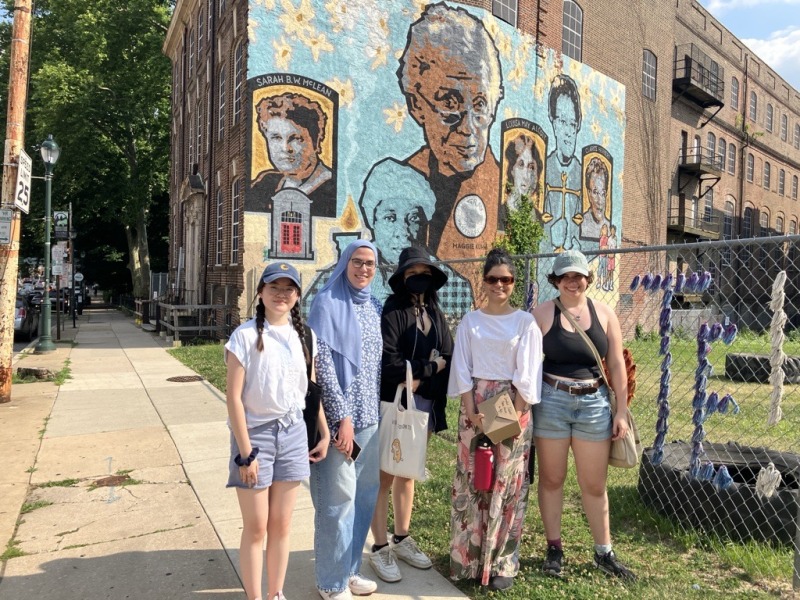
(280, 269)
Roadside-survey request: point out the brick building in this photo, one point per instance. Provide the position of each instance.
(645, 81)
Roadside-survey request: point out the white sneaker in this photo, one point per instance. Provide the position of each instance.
(279, 596)
(361, 586)
(408, 551)
(384, 564)
(343, 595)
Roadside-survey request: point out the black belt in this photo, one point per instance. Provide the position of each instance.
(575, 389)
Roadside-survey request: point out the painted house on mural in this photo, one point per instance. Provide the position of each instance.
(301, 125)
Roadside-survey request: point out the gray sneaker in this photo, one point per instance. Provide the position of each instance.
(609, 564)
(409, 552)
(384, 564)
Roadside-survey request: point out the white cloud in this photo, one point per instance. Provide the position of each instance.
(718, 7)
(781, 51)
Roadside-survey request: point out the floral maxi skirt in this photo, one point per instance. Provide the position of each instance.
(486, 527)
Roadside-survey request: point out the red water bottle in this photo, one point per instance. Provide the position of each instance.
(484, 465)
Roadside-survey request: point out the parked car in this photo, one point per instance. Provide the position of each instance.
(63, 304)
(26, 319)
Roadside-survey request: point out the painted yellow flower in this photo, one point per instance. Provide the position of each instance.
(621, 177)
(503, 43)
(517, 74)
(538, 89)
(379, 54)
(606, 141)
(297, 21)
(267, 4)
(344, 89)
(491, 26)
(601, 103)
(317, 44)
(575, 69)
(396, 116)
(283, 53)
(510, 113)
(341, 16)
(596, 129)
(252, 26)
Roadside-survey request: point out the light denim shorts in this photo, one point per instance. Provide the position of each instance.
(282, 454)
(561, 415)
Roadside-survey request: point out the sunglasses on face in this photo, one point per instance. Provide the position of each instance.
(505, 280)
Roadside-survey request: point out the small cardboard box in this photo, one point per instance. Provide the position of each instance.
(500, 420)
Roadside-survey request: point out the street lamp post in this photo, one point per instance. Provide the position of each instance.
(49, 151)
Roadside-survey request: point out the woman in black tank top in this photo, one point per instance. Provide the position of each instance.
(574, 412)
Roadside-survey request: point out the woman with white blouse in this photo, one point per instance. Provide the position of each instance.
(497, 348)
(267, 360)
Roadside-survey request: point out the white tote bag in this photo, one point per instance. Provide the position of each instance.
(404, 434)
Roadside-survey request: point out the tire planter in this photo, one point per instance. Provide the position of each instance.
(736, 512)
(755, 368)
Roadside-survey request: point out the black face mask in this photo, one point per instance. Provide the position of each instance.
(419, 284)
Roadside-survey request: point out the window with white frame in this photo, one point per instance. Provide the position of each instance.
(506, 10)
(735, 94)
(222, 7)
(236, 193)
(191, 52)
(199, 129)
(768, 122)
(722, 149)
(763, 223)
(784, 127)
(767, 175)
(797, 135)
(782, 182)
(238, 83)
(222, 95)
(732, 159)
(209, 120)
(711, 146)
(779, 224)
(747, 223)
(753, 106)
(751, 163)
(649, 72)
(708, 207)
(192, 159)
(218, 260)
(794, 187)
(727, 230)
(572, 30)
(200, 23)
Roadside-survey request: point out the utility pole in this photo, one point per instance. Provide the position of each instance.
(15, 138)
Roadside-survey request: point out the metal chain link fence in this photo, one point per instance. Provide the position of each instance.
(714, 328)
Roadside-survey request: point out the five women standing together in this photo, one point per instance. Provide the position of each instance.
(360, 350)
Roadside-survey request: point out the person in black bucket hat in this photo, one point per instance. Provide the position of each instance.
(414, 329)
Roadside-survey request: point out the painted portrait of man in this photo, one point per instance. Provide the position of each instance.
(452, 92)
(562, 212)
(293, 130)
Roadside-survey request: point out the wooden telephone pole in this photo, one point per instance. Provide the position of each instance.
(15, 138)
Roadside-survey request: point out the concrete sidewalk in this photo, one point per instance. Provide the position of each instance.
(119, 475)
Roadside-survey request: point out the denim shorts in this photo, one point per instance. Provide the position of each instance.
(282, 454)
(561, 415)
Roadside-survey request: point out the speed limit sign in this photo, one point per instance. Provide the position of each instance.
(22, 194)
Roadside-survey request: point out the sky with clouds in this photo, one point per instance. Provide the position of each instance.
(770, 28)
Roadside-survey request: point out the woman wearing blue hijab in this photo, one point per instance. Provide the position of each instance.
(347, 320)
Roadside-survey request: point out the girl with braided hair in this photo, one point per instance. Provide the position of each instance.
(267, 360)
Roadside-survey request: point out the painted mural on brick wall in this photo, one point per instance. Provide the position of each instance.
(411, 123)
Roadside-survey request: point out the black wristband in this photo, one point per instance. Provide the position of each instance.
(245, 462)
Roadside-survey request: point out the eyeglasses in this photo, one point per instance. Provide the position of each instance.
(505, 280)
(358, 263)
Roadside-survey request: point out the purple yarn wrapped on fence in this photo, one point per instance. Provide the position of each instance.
(664, 346)
(694, 468)
(722, 480)
(699, 400)
(658, 456)
(665, 318)
(702, 332)
(667, 283)
(698, 416)
(680, 281)
(647, 279)
(691, 283)
(665, 364)
(663, 393)
(703, 348)
(704, 283)
(698, 435)
(715, 332)
(665, 378)
(662, 424)
(667, 299)
(663, 410)
(729, 334)
(707, 471)
(700, 384)
(712, 403)
(660, 438)
(635, 283)
(697, 451)
(703, 368)
(655, 283)
(725, 402)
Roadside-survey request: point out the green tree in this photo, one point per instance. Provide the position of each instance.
(100, 84)
(522, 236)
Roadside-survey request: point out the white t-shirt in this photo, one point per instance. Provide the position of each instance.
(498, 347)
(275, 381)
